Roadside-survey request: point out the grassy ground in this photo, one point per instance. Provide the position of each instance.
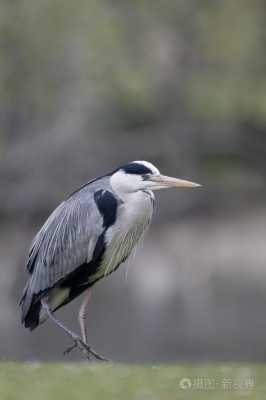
(97, 381)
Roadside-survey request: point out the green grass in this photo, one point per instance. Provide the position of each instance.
(25, 381)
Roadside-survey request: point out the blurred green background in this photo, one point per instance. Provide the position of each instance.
(88, 85)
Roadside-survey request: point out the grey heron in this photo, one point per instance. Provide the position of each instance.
(86, 238)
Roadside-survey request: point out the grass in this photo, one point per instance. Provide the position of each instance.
(28, 381)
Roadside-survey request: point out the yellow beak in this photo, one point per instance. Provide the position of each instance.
(168, 182)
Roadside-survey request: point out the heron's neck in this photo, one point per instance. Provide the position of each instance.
(137, 198)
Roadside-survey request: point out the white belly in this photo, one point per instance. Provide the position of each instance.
(133, 219)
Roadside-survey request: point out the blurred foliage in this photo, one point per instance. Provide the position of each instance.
(134, 52)
(186, 78)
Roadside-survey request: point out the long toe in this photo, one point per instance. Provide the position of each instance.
(84, 348)
(87, 350)
(69, 349)
(96, 355)
(79, 344)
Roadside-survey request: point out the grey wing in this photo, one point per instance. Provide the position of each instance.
(66, 241)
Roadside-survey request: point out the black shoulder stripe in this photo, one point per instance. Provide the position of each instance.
(107, 205)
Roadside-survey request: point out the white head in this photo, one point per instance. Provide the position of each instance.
(142, 175)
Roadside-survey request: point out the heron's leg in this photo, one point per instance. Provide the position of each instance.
(87, 350)
(50, 314)
(82, 315)
(82, 324)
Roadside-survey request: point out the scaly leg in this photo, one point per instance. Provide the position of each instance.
(82, 315)
(87, 350)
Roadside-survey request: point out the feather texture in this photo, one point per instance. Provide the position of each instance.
(86, 238)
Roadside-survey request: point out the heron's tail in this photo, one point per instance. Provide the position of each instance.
(30, 308)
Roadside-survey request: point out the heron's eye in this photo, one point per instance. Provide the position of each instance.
(145, 177)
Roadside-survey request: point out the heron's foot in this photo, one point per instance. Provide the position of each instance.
(89, 352)
(69, 349)
(96, 355)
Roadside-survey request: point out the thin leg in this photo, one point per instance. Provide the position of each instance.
(82, 315)
(56, 321)
(87, 350)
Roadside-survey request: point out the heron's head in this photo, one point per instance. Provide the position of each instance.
(142, 175)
